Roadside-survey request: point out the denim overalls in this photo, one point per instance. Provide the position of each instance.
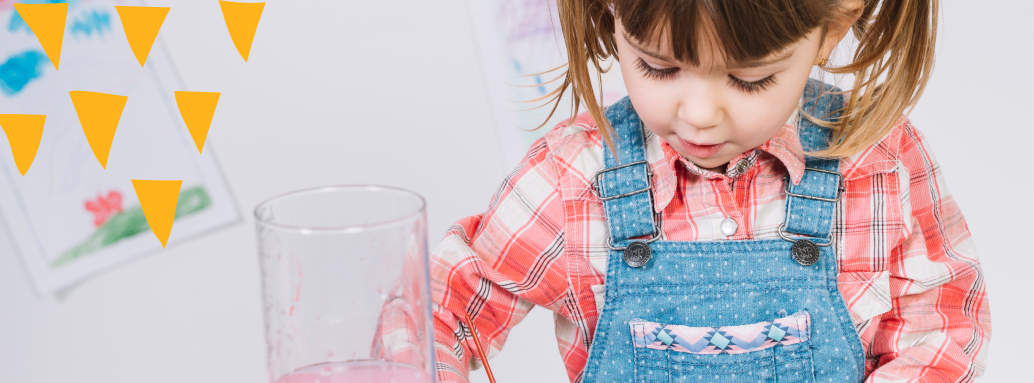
(722, 311)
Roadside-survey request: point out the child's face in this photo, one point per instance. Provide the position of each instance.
(711, 113)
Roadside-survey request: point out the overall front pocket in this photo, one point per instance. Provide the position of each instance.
(775, 351)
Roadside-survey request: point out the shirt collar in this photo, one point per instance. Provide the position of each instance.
(785, 146)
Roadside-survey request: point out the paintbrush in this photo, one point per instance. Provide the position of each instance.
(481, 351)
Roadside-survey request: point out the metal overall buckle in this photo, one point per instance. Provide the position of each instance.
(804, 251)
(637, 253)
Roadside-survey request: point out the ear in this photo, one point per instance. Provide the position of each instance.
(837, 29)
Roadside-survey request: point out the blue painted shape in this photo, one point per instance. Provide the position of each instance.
(89, 22)
(17, 22)
(541, 88)
(19, 70)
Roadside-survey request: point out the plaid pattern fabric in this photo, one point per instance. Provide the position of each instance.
(908, 267)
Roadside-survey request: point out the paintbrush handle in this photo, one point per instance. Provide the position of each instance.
(481, 351)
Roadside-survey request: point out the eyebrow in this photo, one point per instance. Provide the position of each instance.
(644, 50)
(751, 64)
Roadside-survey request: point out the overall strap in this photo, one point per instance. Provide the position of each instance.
(810, 204)
(625, 184)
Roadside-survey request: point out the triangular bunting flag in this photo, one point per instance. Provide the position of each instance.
(24, 133)
(141, 25)
(47, 22)
(99, 114)
(197, 109)
(158, 200)
(242, 21)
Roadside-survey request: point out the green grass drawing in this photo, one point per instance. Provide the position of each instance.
(131, 222)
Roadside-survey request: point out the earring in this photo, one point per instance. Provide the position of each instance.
(825, 60)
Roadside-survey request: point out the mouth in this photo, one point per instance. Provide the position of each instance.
(700, 150)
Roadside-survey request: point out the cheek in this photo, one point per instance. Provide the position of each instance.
(652, 101)
(654, 110)
(638, 87)
(758, 119)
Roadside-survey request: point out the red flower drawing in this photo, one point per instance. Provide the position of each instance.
(104, 207)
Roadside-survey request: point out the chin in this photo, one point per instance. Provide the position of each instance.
(711, 165)
(706, 164)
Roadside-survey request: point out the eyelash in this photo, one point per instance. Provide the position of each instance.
(751, 87)
(654, 73)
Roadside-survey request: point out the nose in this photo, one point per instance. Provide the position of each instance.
(701, 105)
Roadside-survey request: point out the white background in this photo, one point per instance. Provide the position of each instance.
(390, 92)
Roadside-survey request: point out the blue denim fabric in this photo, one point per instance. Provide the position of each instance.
(632, 217)
(721, 283)
(810, 217)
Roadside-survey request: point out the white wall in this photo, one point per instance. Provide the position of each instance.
(390, 92)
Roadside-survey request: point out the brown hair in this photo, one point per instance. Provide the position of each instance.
(891, 65)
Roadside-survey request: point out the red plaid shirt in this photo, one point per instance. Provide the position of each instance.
(908, 267)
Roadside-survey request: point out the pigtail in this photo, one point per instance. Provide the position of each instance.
(588, 27)
(892, 65)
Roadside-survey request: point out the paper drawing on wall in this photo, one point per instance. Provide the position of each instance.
(75, 212)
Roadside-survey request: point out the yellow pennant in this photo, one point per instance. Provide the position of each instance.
(197, 109)
(47, 22)
(24, 133)
(99, 114)
(141, 25)
(242, 20)
(158, 200)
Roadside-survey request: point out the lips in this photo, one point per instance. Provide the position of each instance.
(700, 150)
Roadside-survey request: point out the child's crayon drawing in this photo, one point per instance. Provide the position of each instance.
(69, 217)
(520, 43)
(119, 224)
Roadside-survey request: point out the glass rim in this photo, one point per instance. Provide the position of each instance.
(347, 229)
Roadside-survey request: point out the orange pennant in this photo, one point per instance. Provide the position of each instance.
(141, 25)
(99, 114)
(47, 22)
(24, 133)
(242, 21)
(158, 200)
(197, 109)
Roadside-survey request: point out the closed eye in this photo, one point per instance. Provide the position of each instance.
(655, 73)
(752, 87)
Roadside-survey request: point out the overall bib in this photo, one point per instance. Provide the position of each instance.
(722, 311)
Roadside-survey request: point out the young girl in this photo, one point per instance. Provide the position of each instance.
(731, 220)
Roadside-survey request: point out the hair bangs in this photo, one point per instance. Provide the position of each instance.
(740, 31)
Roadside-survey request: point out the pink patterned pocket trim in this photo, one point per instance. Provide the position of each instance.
(788, 330)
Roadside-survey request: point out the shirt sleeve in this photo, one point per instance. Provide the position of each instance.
(496, 266)
(939, 326)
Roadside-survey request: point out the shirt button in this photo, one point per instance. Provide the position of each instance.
(741, 167)
(729, 226)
